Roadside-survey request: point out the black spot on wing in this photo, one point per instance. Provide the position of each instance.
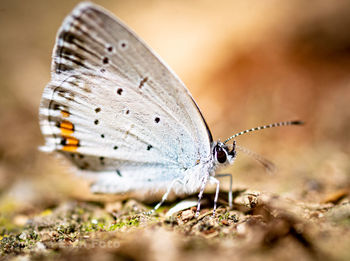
(142, 82)
(55, 106)
(123, 45)
(63, 141)
(102, 160)
(110, 48)
(85, 165)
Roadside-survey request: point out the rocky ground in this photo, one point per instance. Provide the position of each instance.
(259, 225)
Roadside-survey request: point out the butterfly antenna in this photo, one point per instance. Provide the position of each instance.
(277, 124)
(268, 165)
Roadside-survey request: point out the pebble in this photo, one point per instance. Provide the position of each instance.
(187, 214)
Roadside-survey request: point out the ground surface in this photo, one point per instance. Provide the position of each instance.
(259, 225)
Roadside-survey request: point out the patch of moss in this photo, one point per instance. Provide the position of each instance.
(18, 243)
(128, 222)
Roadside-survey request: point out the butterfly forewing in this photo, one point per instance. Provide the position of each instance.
(115, 109)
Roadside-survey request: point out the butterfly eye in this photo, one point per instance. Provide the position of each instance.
(221, 155)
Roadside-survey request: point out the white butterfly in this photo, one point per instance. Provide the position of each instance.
(117, 111)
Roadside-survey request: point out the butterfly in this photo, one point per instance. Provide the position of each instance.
(120, 114)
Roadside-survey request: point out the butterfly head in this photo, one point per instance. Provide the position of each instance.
(223, 154)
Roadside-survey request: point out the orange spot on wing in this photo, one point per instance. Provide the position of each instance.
(65, 114)
(71, 141)
(70, 144)
(70, 148)
(66, 132)
(66, 127)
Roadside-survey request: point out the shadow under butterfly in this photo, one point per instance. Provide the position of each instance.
(116, 110)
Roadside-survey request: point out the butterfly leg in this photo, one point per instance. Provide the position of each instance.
(230, 191)
(165, 196)
(217, 182)
(204, 183)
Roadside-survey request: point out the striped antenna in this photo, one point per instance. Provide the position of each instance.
(277, 124)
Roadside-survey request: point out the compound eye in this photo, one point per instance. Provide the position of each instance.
(221, 155)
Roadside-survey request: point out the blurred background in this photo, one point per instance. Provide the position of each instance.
(246, 63)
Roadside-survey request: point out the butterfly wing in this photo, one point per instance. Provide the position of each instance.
(116, 110)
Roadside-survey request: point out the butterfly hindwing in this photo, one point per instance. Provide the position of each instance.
(115, 109)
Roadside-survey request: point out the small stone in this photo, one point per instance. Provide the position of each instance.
(23, 236)
(187, 214)
(133, 205)
(113, 207)
(40, 246)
